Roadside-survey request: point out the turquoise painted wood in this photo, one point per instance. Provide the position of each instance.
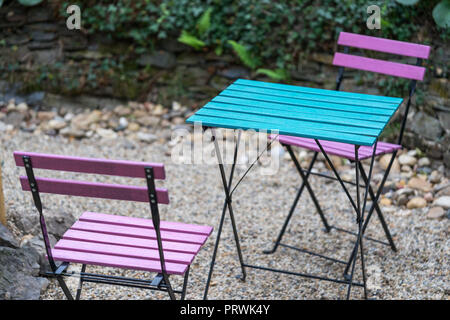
(293, 114)
(304, 110)
(299, 111)
(288, 87)
(280, 120)
(307, 96)
(315, 103)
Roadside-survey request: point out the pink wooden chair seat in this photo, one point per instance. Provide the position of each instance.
(340, 149)
(152, 245)
(128, 242)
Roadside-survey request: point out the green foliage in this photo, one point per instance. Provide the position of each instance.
(204, 23)
(244, 54)
(191, 40)
(278, 74)
(441, 14)
(262, 32)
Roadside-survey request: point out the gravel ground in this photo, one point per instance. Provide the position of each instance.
(419, 270)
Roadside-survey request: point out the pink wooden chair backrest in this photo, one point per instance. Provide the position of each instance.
(381, 45)
(130, 169)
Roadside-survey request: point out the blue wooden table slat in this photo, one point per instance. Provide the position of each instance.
(342, 115)
(313, 97)
(280, 118)
(320, 104)
(287, 87)
(285, 130)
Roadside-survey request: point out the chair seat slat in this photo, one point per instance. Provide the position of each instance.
(145, 223)
(123, 251)
(138, 232)
(379, 66)
(129, 241)
(384, 45)
(344, 150)
(119, 168)
(116, 261)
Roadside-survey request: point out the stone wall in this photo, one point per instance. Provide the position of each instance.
(47, 66)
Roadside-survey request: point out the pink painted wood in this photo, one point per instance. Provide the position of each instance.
(132, 242)
(144, 223)
(130, 169)
(344, 150)
(138, 232)
(117, 261)
(123, 251)
(95, 190)
(384, 45)
(110, 240)
(379, 66)
(116, 241)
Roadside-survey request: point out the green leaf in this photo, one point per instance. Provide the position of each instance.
(204, 23)
(191, 40)
(244, 54)
(407, 2)
(277, 74)
(1, 3)
(29, 3)
(441, 14)
(218, 51)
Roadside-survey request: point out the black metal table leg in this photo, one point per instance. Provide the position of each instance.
(227, 204)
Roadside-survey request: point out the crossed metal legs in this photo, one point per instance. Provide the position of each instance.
(228, 205)
(373, 197)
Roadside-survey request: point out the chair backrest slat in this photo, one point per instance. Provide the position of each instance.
(384, 45)
(95, 190)
(396, 69)
(380, 66)
(130, 169)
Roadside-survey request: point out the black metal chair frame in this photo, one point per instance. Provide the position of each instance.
(160, 282)
(304, 174)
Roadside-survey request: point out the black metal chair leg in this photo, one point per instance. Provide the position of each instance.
(375, 207)
(80, 284)
(64, 287)
(378, 210)
(185, 282)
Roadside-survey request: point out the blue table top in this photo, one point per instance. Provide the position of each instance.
(299, 111)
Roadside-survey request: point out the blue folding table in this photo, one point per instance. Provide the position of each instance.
(319, 114)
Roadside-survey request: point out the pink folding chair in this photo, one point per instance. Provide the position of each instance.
(344, 60)
(161, 247)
